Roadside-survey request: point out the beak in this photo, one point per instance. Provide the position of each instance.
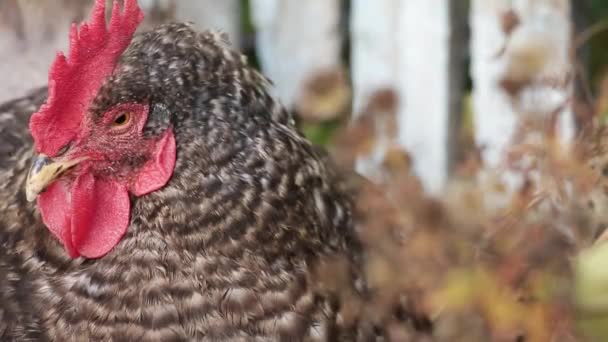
(43, 172)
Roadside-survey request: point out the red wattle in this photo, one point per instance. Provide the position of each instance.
(55, 208)
(90, 218)
(99, 215)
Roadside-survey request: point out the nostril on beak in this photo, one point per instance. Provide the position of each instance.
(38, 163)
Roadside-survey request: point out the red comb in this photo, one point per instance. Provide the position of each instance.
(74, 81)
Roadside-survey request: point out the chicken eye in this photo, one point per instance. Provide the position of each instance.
(122, 119)
(64, 149)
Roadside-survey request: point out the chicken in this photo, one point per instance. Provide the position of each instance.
(168, 197)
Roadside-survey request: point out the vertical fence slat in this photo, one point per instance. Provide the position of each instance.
(549, 25)
(374, 49)
(538, 49)
(296, 39)
(494, 118)
(374, 61)
(406, 46)
(424, 72)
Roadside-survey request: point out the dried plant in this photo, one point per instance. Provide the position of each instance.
(458, 266)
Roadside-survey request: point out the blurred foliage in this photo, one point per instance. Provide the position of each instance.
(463, 268)
(320, 134)
(484, 260)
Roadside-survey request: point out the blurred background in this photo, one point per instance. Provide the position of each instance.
(432, 66)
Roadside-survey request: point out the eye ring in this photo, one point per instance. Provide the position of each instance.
(122, 119)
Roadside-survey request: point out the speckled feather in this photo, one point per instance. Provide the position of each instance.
(222, 252)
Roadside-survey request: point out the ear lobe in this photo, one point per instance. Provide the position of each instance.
(157, 172)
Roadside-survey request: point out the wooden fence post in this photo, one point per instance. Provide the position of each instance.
(424, 69)
(374, 49)
(375, 58)
(407, 46)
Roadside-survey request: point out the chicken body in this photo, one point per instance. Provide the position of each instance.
(224, 251)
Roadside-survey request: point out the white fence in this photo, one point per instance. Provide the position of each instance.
(415, 47)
